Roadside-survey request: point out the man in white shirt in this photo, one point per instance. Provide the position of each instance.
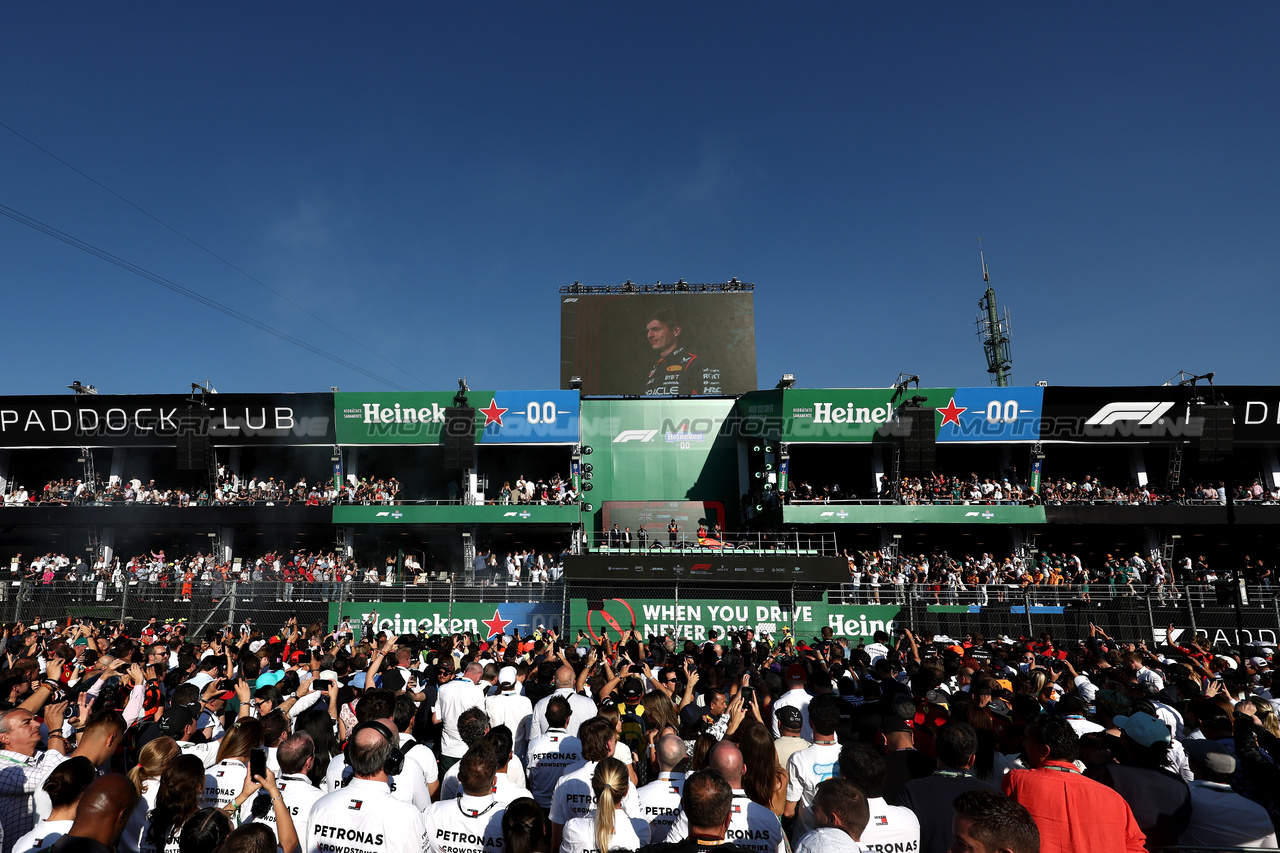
(471, 823)
(407, 783)
(840, 816)
(364, 817)
(178, 723)
(795, 697)
(509, 708)
(890, 827)
(419, 753)
(552, 752)
(581, 708)
(751, 826)
(24, 772)
(660, 799)
(296, 754)
(808, 767)
(453, 698)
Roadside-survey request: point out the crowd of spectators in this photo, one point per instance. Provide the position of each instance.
(324, 738)
(543, 490)
(229, 490)
(1011, 489)
(876, 577)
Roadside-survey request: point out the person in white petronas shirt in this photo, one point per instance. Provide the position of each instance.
(660, 799)
(890, 827)
(407, 783)
(840, 816)
(607, 826)
(363, 816)
(808, 767)
(296, 755)
(752, 827)
(552, 752)
(573, 796)
(512, 709)
(471, 822)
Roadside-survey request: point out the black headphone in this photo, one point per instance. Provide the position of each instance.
(394, 765)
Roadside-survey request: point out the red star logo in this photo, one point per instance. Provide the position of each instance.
(951, 414)
(493, 414)
(497, 625)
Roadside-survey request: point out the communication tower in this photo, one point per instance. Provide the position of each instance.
(995, 331)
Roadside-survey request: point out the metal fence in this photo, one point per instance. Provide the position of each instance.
(1124, 612)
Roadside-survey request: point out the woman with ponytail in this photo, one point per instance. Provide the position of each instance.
(607, 827)
(525, 827)
(145, 776)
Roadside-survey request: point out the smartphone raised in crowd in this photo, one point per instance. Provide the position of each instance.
(257, 763)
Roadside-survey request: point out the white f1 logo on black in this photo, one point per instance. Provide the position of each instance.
(1145, 414)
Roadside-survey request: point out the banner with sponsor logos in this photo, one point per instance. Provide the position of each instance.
(502, 417)
(1160, 413)
(441, 617)
(923, 514)
(156, 420)
(986, 414)
(658, 450)
(695, 618)
(457, 514)
(705, 566)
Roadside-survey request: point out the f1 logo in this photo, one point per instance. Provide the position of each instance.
(1145, 414)
(634, 435)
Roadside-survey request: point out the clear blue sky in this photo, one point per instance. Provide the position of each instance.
(424, 176)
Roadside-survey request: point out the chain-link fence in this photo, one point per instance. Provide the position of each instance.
(688, 609)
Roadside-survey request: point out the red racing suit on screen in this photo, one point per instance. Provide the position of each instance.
(682, 372)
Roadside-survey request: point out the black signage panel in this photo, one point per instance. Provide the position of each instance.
(1159, 413)
(705, 566)
(156, 420)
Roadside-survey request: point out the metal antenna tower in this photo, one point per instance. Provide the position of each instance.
(995, 331)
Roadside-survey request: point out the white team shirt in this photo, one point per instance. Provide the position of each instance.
(794, 698)
(363, 817)
(206, 752)
(452, 699)
(514, 711)
(426, 759)
(131, 838)
(828, 840)
(891, 828)
(573, 796)
(223, 782)
(465, 824)
(751, 825)
(514, 776)
(299, 796)
(805, 769)
(42, 835)
(660, 803)
(549, 755)
(581, 709)
(629, 833)
(408, 787)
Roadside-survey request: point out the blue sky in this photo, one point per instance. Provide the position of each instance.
(423, 177)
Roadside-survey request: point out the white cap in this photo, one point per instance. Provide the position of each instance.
(507, 675)
(327, 675)
(256, 646)
(1259, 661)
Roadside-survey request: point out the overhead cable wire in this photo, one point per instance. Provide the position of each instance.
(212, 253)
(31, 222)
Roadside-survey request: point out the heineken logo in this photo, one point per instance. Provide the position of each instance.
(829, 413)
(842, 514)
(375, 413)
(987, 514)
(525, 514)
(397, 514)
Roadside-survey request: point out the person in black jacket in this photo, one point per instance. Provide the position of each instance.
(931, 797)
(1160, 800)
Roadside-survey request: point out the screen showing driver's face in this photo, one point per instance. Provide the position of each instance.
(661, 338)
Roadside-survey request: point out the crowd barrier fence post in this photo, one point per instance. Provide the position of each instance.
(1026, 606)
(1151, 617)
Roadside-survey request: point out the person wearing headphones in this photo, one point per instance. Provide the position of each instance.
(364, 816)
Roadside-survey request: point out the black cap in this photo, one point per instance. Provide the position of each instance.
(175, 720)
(632, 689)
(789, 718)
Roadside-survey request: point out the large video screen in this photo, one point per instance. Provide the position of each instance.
(658, 344)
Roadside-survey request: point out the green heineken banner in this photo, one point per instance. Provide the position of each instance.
(457, 514)
(502, 417)
(441, 617)
(924, 514)
(694, 618)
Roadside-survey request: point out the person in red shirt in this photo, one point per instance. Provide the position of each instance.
(1073, 813)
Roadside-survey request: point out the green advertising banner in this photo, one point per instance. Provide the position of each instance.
(457, 514)
(848, 414)
(923, 514)
(417, 417)
(441, 617)
(660, 450)
(694, 618)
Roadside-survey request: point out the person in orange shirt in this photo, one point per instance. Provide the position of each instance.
(1072, 812)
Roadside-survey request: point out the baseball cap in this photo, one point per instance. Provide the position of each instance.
(507, 676)
(890, 724)
(1259, 661)
(789, 718)
(632, 689)
(1144, 729)
(1214, 756)
(796, 672)
(175, 719)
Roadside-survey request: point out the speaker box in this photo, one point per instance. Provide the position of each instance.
(1218, 439)
(919, 446)
(459, 437)
(193, 452)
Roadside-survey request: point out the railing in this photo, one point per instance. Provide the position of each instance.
(796, 542)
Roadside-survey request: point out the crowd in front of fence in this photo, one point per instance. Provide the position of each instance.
(313, 738)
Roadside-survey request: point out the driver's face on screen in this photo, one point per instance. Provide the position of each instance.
(661, 337)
